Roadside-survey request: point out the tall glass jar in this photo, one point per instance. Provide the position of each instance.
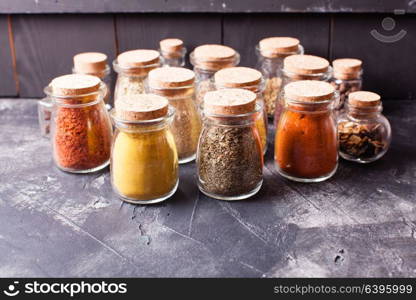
(208, 59)
(364, 133)
(173, 52)
(248, 79)
(144, 160)
(230, 158)
(132, 68)
(347, 78)
(270, 55)
(94, 63)
(177, 85)
(301, 67)
(81, 130)
(306, 145)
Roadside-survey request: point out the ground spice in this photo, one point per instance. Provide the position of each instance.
(81, 136)
(230, 160)
(306, 138)
(144, 164)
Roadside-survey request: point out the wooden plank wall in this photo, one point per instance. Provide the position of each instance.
(44, 44)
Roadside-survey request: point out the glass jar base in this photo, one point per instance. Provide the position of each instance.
(91, 170)
(306, 180)
(231, 198)
(151, 201)
(187, 159)
(360, 160)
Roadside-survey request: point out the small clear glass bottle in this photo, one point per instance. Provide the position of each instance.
(132, 68)
(364, 132)
(208, 59)
(270, 55)
(248, 79)
(177, 85)
(81, 130)
(173, 52)
(230, 158)
(347, 78)
(301, 67)
(306, 145)
(45, 106)
(144, 160)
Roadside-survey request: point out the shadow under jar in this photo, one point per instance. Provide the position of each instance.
(248, 79)
(306, 146)
(144, 160)
(270, 55)
(230, 158)
(173, 52)
(81, 130)
(364, 133)
(177, 85)
(208, 59)
(301, 67)
(132, 68)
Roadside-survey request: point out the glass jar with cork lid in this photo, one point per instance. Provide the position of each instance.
(301, 67)
(248, 79)
(132, 68)
(347, 78)
(173, 52)
(177, 85)
(306, 145)
(230, 157)
(144, 160)
(270, 55)
(94, 63)
(81, 130)
(208, 59)
(364, 132)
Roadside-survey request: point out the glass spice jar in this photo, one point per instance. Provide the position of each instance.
(177, 85)
(270, 55)
(94, 63)
(347, 78)
(306, 146)
(81, 130)
(364, 133)
(208, 59)
(45, 106)
(230, 158)
(248, 79)
(144, 160)
(301, 67)
(132, 68)
(173, 52)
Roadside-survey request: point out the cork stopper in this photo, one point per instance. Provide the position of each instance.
(141, 107)
(305, 64)
(237, 77)
(75, 84)
(214, 57)
(229, 102)
(170, 77)
(138, 58)
(276, 46)
(171, 45)
(309, 90)
(364, 99)
(90, 62)
(347, 68)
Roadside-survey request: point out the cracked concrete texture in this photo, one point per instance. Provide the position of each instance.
(362, 222)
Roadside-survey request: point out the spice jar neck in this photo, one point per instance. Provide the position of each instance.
(324, 106)
(174, 93)
(75, 101)
(348, 77)
(173, 54)
(137, 71)
(277, 57)
(325, 76)
(213, 65)
(257, 88)
(364, 113)
(100, 74)
(241, 120)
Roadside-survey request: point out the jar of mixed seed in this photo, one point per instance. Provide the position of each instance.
(177, 85)
(270, 55)
(230, 158)
(364, 132)
(144, 161)
(248, 79)
(132, 68)
(94, 63)
(301, 67)
(173, 52)
(208, 59)
(347, 78)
